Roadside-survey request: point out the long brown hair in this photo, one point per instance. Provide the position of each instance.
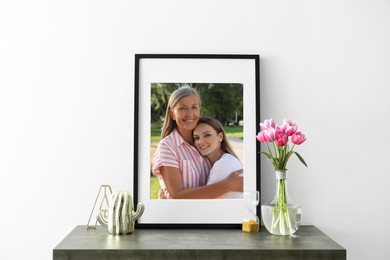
(176, 96)
(217, 126)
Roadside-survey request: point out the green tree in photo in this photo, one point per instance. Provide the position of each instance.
(221, 101)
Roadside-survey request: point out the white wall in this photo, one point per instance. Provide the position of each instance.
(66, 105)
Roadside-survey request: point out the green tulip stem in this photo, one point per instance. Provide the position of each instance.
(280, 214)
(269, 150)
(288, 157)
(276, 149)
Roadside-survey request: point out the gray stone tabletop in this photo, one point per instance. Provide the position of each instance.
(307, 243)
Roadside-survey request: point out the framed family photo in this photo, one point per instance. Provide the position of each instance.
(228, 89)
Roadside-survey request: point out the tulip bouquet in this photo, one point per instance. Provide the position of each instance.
(276, 138)
(279, 137)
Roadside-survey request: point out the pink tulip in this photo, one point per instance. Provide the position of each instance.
(282, 140)
(261, 137)
(289, 127)
(268, 123)
(270, 135)
(278, 132)
(298, 138)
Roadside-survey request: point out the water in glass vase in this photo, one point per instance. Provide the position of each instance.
(281, 216)
(281, 221)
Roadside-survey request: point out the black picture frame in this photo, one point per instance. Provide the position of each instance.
(247, 67)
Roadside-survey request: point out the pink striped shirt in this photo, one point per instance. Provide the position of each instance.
(173, 151)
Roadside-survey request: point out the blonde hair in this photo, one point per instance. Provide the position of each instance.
(170, 124)
(217, 126)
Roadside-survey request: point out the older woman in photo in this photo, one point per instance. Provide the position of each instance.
(182, 171)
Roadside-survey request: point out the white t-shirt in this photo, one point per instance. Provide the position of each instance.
(222, 169)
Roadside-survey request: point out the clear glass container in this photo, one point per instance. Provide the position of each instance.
(281, 216)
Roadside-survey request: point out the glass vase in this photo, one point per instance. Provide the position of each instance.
(281, 216)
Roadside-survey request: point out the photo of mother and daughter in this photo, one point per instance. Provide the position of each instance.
(194, 159)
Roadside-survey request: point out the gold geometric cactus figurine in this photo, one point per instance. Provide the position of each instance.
(104, 199)
(121, 215)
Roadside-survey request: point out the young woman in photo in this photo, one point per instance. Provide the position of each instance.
(211, 141)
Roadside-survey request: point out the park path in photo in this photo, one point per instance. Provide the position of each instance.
(237, 146)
